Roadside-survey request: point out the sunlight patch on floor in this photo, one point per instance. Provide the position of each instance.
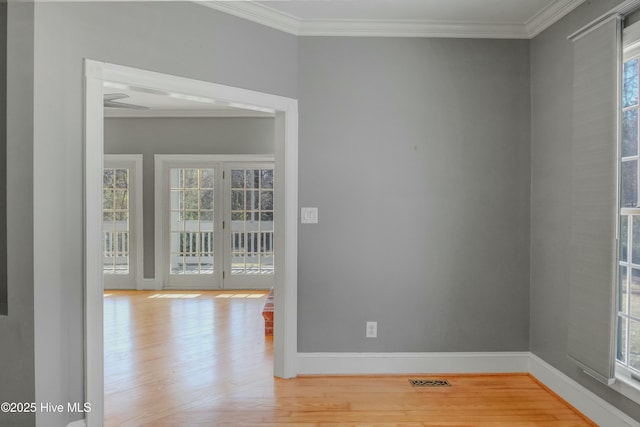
(174, 296)
(240, 296)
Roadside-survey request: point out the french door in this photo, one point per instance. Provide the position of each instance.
(214, 224)
(248, 226)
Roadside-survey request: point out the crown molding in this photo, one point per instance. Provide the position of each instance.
(257, 13)
(288, 23)
(550, 15)
(410, 28)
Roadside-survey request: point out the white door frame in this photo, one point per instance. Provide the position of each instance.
(100, 74)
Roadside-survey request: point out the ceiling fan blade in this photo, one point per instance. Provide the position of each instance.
(115, 104)
(114, 96)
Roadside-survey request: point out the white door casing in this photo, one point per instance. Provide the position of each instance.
(99, 75)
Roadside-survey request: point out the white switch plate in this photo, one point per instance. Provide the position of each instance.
(372, 330)
(309, 215)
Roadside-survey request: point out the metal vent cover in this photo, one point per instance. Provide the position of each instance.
(430, 383)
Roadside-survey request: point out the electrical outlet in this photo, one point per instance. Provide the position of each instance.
(372, 329)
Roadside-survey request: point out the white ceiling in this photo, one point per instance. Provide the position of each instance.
(412, 18)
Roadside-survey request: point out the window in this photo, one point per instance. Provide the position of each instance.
(628, 298)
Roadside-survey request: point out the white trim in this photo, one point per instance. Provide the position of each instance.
(550, 15)
(625, 384)
(78, 423)
(148, 285)
(274, 18)
(407, 363)
(416, 28)
(97, 74)
(94, 280)
(282, 21)
(258, 13)
(158, 232)
(588, 403)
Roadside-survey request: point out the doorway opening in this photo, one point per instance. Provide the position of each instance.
(101, 74)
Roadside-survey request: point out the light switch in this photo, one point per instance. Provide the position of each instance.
(309, 215)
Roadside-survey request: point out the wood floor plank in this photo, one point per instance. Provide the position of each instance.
(200, 358)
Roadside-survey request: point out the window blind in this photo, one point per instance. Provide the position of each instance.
(593, 258)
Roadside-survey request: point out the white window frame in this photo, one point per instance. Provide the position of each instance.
(133, 280)
(163, 164)
(627, 380)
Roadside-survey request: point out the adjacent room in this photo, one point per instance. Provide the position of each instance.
(214, 166)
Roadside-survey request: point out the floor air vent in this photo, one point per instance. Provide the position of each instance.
(430, 383)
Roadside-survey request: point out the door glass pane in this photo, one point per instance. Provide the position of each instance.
(635, 245)
(630, 84)
(634, 344)
(629, 184)
(252, 250)
(630, 133)
(634, 294)
(191, 228)
(115, 221)
(623, 287)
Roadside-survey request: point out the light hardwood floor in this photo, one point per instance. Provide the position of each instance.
(201, 359)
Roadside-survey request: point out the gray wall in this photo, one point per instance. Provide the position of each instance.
(178, 38)
(551, 130)
(416, 152)
(17, 377)
(150, 136)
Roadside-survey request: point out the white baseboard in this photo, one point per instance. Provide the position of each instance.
(148, 285)
(407, 363)
(589, 404)
(79, 423)
(592, 406)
